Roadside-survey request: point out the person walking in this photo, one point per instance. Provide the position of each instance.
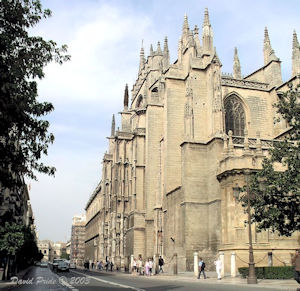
(218, 264)
(140, 266)
(134, 267)
(107, 264)
(147, 267)
(201, 267)
(150, 267)
(296, 264)
(160, 263)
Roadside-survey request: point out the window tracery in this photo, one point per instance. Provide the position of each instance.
(234, 116)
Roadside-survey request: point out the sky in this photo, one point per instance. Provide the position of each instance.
(104, 38)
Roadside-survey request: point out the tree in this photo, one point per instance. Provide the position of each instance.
(24, 135)
(11, 241)
(275, 195)
(29, 252)
(65, 256)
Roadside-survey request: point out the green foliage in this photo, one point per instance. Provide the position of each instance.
(29, 252)
(275, 195)
(11, 238)
(286, 272)
(24, 136)
(64, 255)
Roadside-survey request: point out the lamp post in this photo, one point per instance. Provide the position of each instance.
(236, 191)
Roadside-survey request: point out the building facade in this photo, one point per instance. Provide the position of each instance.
(77, 249)
(190, 135)
(45, 247)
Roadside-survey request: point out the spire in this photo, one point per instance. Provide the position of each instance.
(151, 50)
(166, 58)
(158, 51)
(185, 27)
(166, 48)
(269, 54)
(267, 38)
(142, 58)
(206, 18)
(126, 97)
(236, 65)
(113, 126)
(295, 40)
(295, 56)
(207, 35)
(196, 30)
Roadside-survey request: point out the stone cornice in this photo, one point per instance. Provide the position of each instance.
(92, 218)
(200, 203)
(242, 83)
(173, 191)
(91, 238)
(233, 172)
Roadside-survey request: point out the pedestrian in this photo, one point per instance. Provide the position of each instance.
(218, 264)
(147, 267)
(161, 263)
(134, 267)
(107, 264)
(111, 266)
(201, 267)
(296, 264)
(140, 266)
(150, 267)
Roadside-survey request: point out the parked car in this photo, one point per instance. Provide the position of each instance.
(63, 265)
(44, 264)
(54, 264)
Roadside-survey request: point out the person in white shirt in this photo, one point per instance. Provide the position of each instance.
(218, 264)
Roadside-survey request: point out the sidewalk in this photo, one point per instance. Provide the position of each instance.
(267, 284)
(264, 284)
(8, 284)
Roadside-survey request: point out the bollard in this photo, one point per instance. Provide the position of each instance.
(131, 263)
(196, 262)
(233, 267)
(175, 272)
(222, 258)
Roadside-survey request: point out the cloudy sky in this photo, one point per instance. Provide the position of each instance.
(104, 39)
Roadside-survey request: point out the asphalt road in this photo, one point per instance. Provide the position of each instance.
(44, 279)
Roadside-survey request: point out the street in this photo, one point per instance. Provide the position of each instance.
(44, 279)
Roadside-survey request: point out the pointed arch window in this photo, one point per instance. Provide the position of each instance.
(234, 116)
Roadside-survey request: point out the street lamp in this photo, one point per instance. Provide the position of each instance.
(236, 190)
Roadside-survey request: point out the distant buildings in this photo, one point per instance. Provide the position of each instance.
(68, 248)
(52, 250)
(45, 247)
(77, 240)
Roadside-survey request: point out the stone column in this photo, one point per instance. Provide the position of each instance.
(233, 267)
(196, 262)
(131, 263)
(222, 258)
